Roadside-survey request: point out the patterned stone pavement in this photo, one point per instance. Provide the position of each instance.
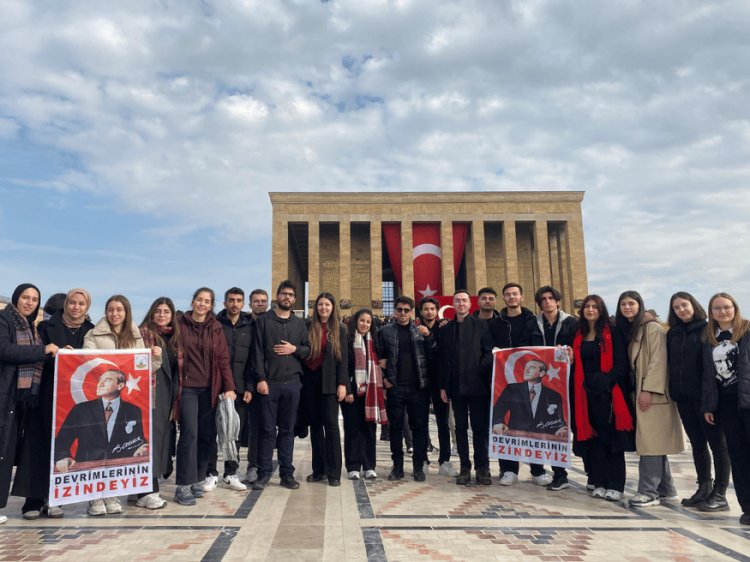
(381, 520)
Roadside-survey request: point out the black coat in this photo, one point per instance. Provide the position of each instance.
(239, 342)
(461, 368)
(270, 329)
(685, 360)
(565, 330)
(334, 372)
(11, 356)
(32, 473)
(85, 422)
(515, 399)
(421, 347)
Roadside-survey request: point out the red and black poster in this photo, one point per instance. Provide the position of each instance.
(101, 425)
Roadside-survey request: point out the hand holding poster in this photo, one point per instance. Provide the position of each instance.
(530, 416)
(101, 425)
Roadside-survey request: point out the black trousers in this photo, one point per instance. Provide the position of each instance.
(736, 426)
(415, 402)
(703, 435)
(359, 436)
(197, 435)
(607, 467)
(442, 411)
(278, 410)
(323, 415)
(476, 409)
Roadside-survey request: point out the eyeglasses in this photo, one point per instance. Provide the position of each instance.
(403, 310)
(722, 308)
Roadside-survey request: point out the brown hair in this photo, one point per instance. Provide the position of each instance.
(739, 325)
(125, 339)
(316, 329)
(148, 323)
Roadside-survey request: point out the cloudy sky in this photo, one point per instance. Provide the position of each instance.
(139, 140)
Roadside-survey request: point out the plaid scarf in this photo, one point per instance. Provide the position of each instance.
(369, 379)
(29, 374)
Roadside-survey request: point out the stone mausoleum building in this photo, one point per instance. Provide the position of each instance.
(368, 248)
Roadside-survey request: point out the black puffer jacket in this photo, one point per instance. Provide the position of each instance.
(239, 342)
(421, 346)
(685, 360)
(564, 334)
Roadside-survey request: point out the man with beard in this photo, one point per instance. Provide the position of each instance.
(279, 347)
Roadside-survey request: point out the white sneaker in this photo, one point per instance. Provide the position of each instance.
(599, 493)
(642, 500)
(672, 498)
(447, 469)
(251, 475)
(613, 495)
(96, 508)
(55, 511)
(371, 474)
(151, 501)
(3, 519)
(542, 480)
(509, 478)
(353, 475)
(233, 483)
(112, 505)
(210, 483)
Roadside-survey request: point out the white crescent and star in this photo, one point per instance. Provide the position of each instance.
(425, 249)
(79, 376)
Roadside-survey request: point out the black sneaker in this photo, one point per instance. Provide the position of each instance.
(483, 477)
(289, 482)
(315, 477)
(262, 482)
(745, 519)
(333, 481)
(559, 482)
(419, 475)
(396, 474)
(464, 477)
(183, 495)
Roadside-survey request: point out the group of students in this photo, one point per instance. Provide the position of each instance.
(631, 384)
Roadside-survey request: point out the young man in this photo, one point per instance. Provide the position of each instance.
(486, 299)
(258, 305)
(405, 347)
(513, 328)
(464, 380)
(554, 327)
(428, 311)
(238, 331)
(280, 345)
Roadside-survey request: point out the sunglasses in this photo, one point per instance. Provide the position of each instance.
(403, 310)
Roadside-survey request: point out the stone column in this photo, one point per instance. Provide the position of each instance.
(280, 258)
(577, 259)
(345, 261)
(480, 257)
(407, 260)
(446, 246)
(376, 264)
(541, 254)
(313, 262)
(511, 252)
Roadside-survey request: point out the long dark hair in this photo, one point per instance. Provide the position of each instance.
(583, 325)
(628, 328)
(698, 312)
(148, 323)
(316, 329)
(125, 339)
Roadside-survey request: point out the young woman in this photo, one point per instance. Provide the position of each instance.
(66, 328)
(22, 356)
(603, 414)
(206, 375)
(658, 430)
(726, 390)
(687, 326)
(324, 384)
(160, 329)
(364, 406)
(117, 330)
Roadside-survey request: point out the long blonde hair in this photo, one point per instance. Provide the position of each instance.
(739, 325)
(316, 329)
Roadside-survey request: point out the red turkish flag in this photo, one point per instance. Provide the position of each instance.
(428, 259)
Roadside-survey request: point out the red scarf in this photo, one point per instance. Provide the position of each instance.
(623, 419)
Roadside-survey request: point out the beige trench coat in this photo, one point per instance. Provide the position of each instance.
(658, 430)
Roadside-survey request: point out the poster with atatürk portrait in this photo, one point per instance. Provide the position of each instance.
(530, 413)
(101, 426)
